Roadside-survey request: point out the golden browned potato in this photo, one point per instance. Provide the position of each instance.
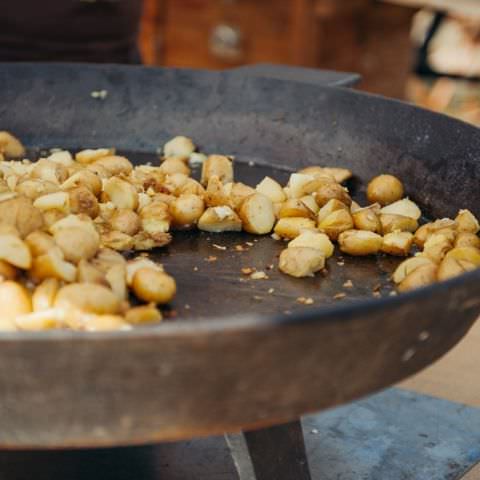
(300, 184)
(121, 193)
(14, 301)
(34, 188)
(392, 222)
(15, 251)
(143, 314)
(219, 219)
(331, 191)
(310, 203)
(271, 189)
(20, 213)
(238, 193)
(218, 165)
(187, 209)
(257, 214)
(52, 265)
(41, 320)
(155, 217)
(469, 254)
(49, 171)
(359, 242)
(172, 165)
(126, 221)
(151, 285)
(10, 146)
(174, 182)
(115, 164)
(331, 206)
(84, 178)
(451, 267)
(7, 271)
(292, 227)
(397, 243)
(384, 189)
(63, 157)
(420, 277)
(89, 298)
(43, 297)
(99, 323)
(39, 242)
(106, 258)
(301, 261)
(182, 146)
(91, 155)
(117, 279)
(408, 266)
(191, 186)
(423, 232)
(436, 246)
(53, 201)
(337, 222)
(87, 272)
(312, 239)
(339, 174)
(404, 207)
(294, 207)
(467, 239)
(117, 240)
(367, 219)
(82, 200)
(216, 195)
(467, 222)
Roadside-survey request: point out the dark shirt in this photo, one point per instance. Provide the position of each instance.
(70, 30)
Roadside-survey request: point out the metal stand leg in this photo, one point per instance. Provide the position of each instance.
(276, 453)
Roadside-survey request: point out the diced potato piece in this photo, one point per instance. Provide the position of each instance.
(155, 217)
(39, 242)
(107, 258)
(34, 188)
(126, 221)
(49, 171)
(301, 184)
(310, 203)
(215, 194)
(397, 243)
(88, 297)
(469, 254)
(339, 174)
(301, 261)
(143, 314)
(367, 219)
(152, 285)
(408, 266)
(271, 189)
(294, 207)
(292, 227)
(174, 165)
(136, 264)
(404, 207)
(392, 222)
(51, 264)
(89, 273)
(337, 222)
(219, 219)
(63, 157)
(117, 240)
(21, 214)
(15, 251)
(385, 189)
(117, 279)
(359, 242)
(40, 320)
(218, 165)
(14, 301)
(451, 267)
(121, 193)
(115, 164)
(311, 239)
(53, 201)
(331, 206)
(436, 246)
(84, 178)
(420, 277)
(10, 146)
(187, 209)
(99, 323)
(44, 295)
(174, 182)
(82, 200)
(147, 241)
(423, 232)
(467, 222)
(7, 271)
(179, 145)
(467, 239)
(192, 187)
(257, 214)
(331, 191)
(238, 193)
(91, 155)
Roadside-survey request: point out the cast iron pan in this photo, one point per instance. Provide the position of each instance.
(231, 355)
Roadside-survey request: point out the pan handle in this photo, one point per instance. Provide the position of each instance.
(313, 76)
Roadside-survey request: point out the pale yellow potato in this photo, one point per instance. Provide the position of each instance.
(34, 188)
(271, 189)
(143, 200)
(121, 193)
(408, 266)
(359, 242)
(292, 227)
(115, 164)
(151, 285)
(392, 222)
(331, 206)
(84, 178)
(99, 171)
(39, 242)
(10, 146)
(82, 200)
(469, 254)
(294, 207)
(100, 323)
(195, 159)
(219, 219)
(215, 194)
(451, 267)
(367, 219)
(44, 294)
(397, 243)
(192, 187)
(187, 209)
(49, 171)
(117, 279)
(155, 217)
(179, 145)
(143, 314)
(338, 174)
(384, 189)
(89, 298)
(53, 201)
(257, 214)
(404, 207)
(300, 184)
(301, 261)
(423, 232)
(21, 214)
(107, 258)
(310, 203)
(218, 165)
(132, 266)
(52, 265)
(311, 239)
(331, 191)
(467, 239)
(436, 246)
(117, 240)
(174, 182)
(238, 193)
(91, 155)
(14, 301)
(173, 165)
(467, 222)
(87, 272)
(63, 157)
(15, 251)
(420, 277)
(40, 320)
(7, 271)
(336, 222)
(126, 221)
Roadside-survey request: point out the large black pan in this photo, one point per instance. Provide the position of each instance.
(235, 356)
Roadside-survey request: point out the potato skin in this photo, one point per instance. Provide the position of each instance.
(384, 189)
